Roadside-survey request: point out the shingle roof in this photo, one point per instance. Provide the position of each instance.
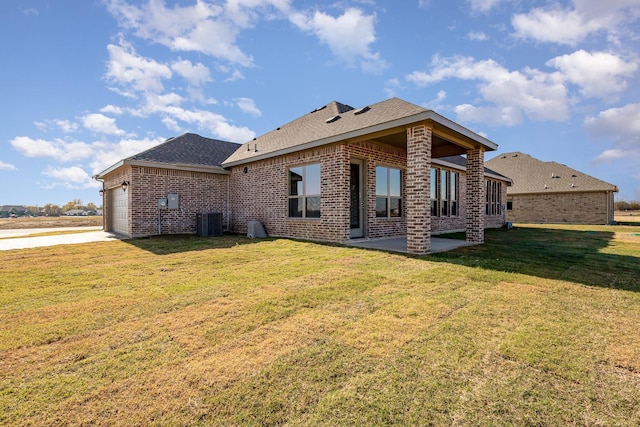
(188, 149)
(531, 175)
(462, 163)
(330, 123)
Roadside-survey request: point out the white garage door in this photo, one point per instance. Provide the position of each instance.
(120, 211)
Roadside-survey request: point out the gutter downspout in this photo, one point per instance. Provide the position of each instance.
(104, 196)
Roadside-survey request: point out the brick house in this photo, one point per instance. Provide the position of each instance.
(334, 174)
(550, 192)
(187, 166)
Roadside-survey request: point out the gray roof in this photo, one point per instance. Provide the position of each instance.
(335, 122)
(531, 175)
(189, 149)
(461, 162)
(188, 152)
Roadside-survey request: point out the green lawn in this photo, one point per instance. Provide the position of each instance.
(538, 326)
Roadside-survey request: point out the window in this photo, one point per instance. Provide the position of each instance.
(388, 192)
(509, 204)
(493, 198)
(444, 192)
(304, 191)
(434, 192)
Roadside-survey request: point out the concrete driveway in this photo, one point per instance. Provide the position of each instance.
(19, 238)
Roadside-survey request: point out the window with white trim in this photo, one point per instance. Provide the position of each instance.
(493, 197)
(388, 192)
(304, 191)
(444, 192)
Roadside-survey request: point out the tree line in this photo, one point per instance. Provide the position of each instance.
(51, 209)
(627, 206)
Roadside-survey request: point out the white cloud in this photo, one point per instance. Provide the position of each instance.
(106, 154)
(598, 74)
(424, 4)
(477, 36)
(248, 105)
(101, 124)
(66, 125)
(611, 155)
(211, 122)
(391, 86)
(235, 76)
(514, 94)
(112, 109)
(621, 123)
(7, 166)
(194, 74)
(572, 25)
(348, 36)
(482, 5)
(57, 149)
(199, 28)
(133, 72)
(435, 103)
(70, 177)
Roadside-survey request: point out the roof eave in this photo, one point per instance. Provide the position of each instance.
(415, 118)
(160, 165)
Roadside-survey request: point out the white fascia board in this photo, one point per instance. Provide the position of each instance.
(426, 115)
(158, 165)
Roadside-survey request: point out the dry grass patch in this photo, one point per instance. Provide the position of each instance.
(230, 331)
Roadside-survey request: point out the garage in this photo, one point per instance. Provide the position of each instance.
(120, 211)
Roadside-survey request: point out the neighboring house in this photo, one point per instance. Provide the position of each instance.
(12, 211)
(550, 192)
(334, 174)
(76, 212)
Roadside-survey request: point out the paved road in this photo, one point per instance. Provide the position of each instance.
(20, 240)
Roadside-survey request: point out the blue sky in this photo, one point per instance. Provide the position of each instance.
(86, 83)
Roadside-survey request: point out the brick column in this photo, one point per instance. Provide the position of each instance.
(475, 196)
(417, 190)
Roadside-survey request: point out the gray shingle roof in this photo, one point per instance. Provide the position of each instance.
(531, 175)
(462, 162)
(330, 122)
(188, 149)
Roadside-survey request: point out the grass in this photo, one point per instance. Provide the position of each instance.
(49, 222)
(539, 326)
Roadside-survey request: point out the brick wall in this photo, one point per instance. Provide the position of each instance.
(262, 194)
(475, 213)
(558, 208)
(418, 190)
(198, 192)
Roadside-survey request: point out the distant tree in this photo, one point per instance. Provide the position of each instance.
(621, 205)
(634, 205)
(51, 210)
(91, 206)
(73, 204)
(34, 210)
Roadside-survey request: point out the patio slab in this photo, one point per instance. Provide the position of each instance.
(399, 244)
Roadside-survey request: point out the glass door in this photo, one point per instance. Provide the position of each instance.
(357, 209)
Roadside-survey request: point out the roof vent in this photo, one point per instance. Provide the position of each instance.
(515, 155)
(545, 186)
(573, 186)
(574, 175)
(277, 128)
(333, 119)
(318, 109)
(362, 110)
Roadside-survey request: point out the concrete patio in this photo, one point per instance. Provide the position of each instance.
(399, 244)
